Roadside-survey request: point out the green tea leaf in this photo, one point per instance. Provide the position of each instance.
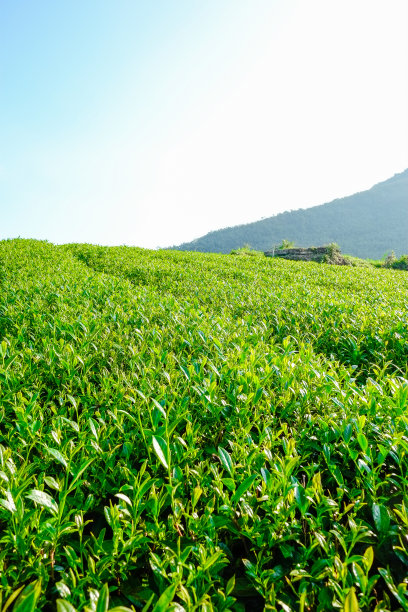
(250, 567)
(229, 483)
(103, 599)
(197, 492)
(52, 483)
(8, 503)
(351, 601)
(148, 602)
(381, 518)
(301, 499)
(159, 407)
(43, 499)
(243, 488)
(161, 449)
(124, 498)
(348, 430)
(363, 442)
(73, 401)
(162, 605)
(65, 606)
(368, 558)
(266, 476)
(230, 585)
(57, 455)
(225, 459)
(27, 599)
(258, 395)
(12, 598)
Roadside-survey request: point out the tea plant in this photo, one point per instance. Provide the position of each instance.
(181, 431)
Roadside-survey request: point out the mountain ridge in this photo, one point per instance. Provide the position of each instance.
(366, 224)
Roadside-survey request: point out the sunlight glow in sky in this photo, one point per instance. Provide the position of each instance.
(152, 123)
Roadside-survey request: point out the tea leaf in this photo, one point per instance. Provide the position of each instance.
(27, 599)
(57, 455)
(362, 440)
(351, 601)
(65, 606)
(381, 517)
(43, 499)
(161, 449)
(368, 558)
(8, 503)
(165, 598)
(225, 459)
(103, 599)
(12, 598)
(243, 488)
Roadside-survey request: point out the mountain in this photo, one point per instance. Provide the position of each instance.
(367, 224)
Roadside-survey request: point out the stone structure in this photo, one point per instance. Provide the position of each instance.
(319, 254)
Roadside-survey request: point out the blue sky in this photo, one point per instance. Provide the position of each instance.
(151, 123)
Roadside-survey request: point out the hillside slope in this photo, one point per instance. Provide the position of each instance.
(366, 224)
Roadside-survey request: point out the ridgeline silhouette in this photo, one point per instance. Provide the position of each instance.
(368, 224)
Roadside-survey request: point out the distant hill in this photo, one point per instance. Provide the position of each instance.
(367, 224)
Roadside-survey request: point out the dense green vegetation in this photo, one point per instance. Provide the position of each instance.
(396, 264)
(183, 431)
(368, 224)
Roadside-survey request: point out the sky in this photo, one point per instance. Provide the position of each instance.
(151, 123)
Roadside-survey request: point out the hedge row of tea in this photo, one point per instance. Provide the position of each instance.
(184, 431)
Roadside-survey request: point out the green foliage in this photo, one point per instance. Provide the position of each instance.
(396, 264)
(185, 431)
(401, 263)
(389, 260)
(286, 244)
(246, 250)
(333, 255)
(357, 262)
(333, 248)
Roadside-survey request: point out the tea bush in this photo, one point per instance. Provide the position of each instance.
(185, 431)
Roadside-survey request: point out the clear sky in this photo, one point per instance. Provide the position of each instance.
(151, 123)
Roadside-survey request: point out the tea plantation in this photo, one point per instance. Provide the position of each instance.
(186, 431)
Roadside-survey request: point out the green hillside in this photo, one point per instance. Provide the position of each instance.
(189, 431)
(367, 224)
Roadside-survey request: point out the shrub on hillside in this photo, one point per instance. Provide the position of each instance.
(286, 244)
(396, 264)
(389, 260)
(245, 250)
(401, 263)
